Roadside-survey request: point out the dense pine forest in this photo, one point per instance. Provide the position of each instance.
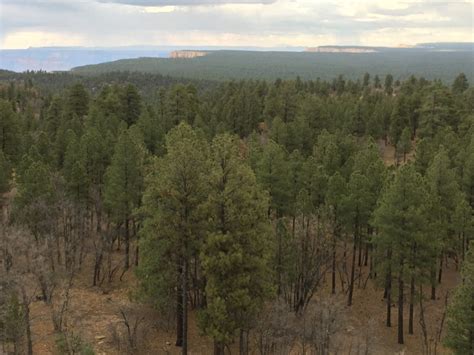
(143, 214)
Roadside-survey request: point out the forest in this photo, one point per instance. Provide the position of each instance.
(223, 65)
(144, 214)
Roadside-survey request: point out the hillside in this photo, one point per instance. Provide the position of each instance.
(224, 65)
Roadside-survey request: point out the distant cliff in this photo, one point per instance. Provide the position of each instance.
(187, 54)
(341, 49)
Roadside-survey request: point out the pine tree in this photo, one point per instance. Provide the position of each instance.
(272, 174)
(5, 172)
(404, 144)
(236, 250)
(124, 183)
(401, 221)
(335, 204)
(9, 131)
(174, 225)
(460, 84)
(77, 101)
(131, 104)
(444, 188)
(388, 84)
(460, 319)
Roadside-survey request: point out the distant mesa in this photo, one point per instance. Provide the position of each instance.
(341, 49)
(187, 54)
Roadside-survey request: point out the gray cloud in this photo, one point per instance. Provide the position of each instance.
(110, 23)
(185, 2)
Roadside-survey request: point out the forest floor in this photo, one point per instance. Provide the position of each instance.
(95, 311)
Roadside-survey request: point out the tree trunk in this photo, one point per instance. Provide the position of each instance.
(351, 285)
(440, 273)
(218, 348)
(400, 303)
(243, 349)
(412, 301)
(127, 245)
(179, 309)
(185, 308)
(334, 265)
(433, 283)
(388, 288)
(26, 305)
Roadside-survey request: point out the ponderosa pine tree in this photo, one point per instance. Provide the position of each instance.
(130, 101)
(174, 225)
(401, 221)
(335, 205)
(9, 131)
(236, 251)
(388, 84)
(460, 319)
(272, 174)
(444, 188)
(124, 182)
(460, 84)
(4, 174)
(404, 144)
(77, 101)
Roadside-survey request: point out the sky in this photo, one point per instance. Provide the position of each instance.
(262, 23)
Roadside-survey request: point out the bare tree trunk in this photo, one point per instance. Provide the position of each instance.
(26, 305)
(218, 348)
(185, 308)
(179, 309)
(334, 265)
(127, 245)
(412, 301)
(388, 288)
(433, 282)
(400, 303)
(351, 285)
(440, 273)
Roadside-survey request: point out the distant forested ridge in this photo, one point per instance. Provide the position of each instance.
(225, 65)
(267, 209)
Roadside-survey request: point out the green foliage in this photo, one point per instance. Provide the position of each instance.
(228, 65)
(235, 253)
(124, 176)
(5, 173)
(460, 84)
(173, 209)
(404, 144)
(9, 131)
(70, 343)
(401, 220)
(460, 320)
(77, 101)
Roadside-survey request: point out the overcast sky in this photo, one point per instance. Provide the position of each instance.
(25, 23)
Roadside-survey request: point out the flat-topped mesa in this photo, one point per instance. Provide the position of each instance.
(187, 54)
(341, 49)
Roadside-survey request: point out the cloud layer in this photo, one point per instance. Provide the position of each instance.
(26, 23)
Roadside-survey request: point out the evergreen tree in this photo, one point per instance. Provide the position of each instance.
(460, 320)
(404, 144)
(4, 174)
(388, 84)
(124, 183)
(130, 104)
(9, 131)
(77, 101)
(460, 84)
(236, 250)
(401, 220)
(174, 225)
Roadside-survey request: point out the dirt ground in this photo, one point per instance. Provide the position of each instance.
(95, 310)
